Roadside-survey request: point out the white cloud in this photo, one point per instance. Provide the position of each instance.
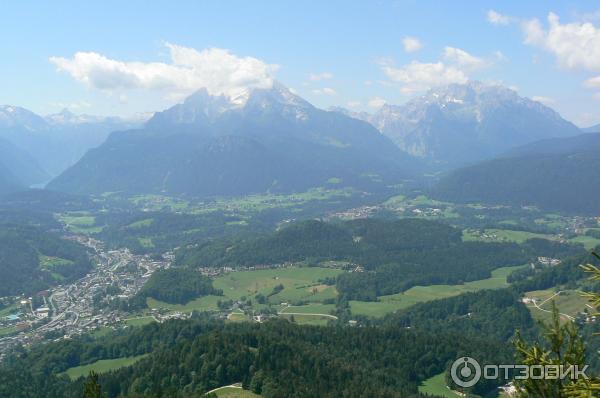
(411, 44)
(576, 45)
(464, 59)
(217, 70)
(499, 55)
(594, 82)
(418, 76)
(315, 77)
(75, 106)
(544, 100)
(353, 104)
(495, 18)
(376, 102)
(325, 91)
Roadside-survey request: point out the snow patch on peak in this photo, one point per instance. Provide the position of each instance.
(202, 107)
(14, 116)
(240, 97)
(487, 117)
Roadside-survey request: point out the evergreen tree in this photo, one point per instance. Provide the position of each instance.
(92, 388)
(564, 346)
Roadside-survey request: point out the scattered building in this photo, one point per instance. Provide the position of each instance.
(547, 261)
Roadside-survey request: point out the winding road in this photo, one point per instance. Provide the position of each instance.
(548, 299)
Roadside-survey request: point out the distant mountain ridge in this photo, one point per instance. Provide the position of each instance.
(56, 141)
(556, 146)
(263, 140)
(8, 182)
(559, 175)
(592, 129)
(21, 165)
(464, 123)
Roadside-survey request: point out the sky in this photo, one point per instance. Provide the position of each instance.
(129, 58)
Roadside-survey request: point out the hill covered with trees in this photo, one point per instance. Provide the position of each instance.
(395, 255)
(276, 359)
(557, 175)
(176, 286)
(32, 259)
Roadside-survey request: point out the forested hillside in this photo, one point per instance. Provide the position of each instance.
(207, 146)
(176, 286)
(19, 164)
(32, 259)
(8, 182)
(395, 255)
(318, 241)
(276, 359)
(566, 182)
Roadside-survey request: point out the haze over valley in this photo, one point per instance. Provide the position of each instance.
(226, 199)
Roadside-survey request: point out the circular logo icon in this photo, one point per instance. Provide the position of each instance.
(465, 372)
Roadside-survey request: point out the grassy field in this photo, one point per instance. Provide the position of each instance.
(101, 332)
(159, 202)
(103, 366)
(424, 200)
(257, 203)
(243, 205)
(237, 317)
(9, 310)
(420, 294)
(141, 223)
(502, 235)
(306, 314)
(51, 262)
(407, 207)
(588, 242)
(232, 392)
(141, 321)
(436, 385)
(206, 303)
(8, 331)
(81, 223)
(300, 284)
(146, 242)
(569, 302)
(555, 221)
(310, 309)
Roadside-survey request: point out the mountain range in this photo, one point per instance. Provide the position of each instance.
(262, 140)
(55, 141)
(555, 174)
(8, 183)
(592, 129)
(463, 123)
(21, 165)
(271, 140)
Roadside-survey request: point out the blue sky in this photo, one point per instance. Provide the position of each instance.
(141, 56)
